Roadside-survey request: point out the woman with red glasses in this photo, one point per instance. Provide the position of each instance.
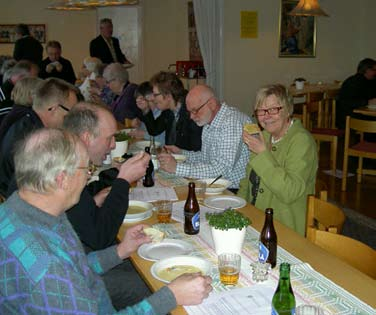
(282, 168)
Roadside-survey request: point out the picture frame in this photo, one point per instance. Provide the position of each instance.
(8, 32)
(297, 34)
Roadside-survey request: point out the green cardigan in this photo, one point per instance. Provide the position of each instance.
(287, 175)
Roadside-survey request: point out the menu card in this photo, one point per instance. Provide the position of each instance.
(152, 194)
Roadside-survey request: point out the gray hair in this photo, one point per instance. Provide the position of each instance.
(84, 118)
(21, 68)
(280, 92)
(42, 156)
(92, 64)
(116, 71)
(24, 91)
(105, 21)
(52, 91)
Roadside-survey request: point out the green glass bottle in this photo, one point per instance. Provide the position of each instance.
(283, 302)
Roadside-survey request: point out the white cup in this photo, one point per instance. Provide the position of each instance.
(299, 85)
(120, 149)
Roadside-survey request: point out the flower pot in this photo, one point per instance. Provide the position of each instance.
(120, 149)
(230, 241)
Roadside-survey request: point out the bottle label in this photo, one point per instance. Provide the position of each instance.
(291, 312)
(196, 221)
(263, 253)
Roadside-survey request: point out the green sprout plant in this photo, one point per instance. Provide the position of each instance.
(228, 219)
(121, 136)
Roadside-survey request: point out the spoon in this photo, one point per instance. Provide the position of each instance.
(218, 177)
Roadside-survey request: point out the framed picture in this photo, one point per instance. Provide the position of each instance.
(8, 32)
(297, 34)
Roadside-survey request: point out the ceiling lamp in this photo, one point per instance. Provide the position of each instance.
(308, 8)
(79, 5)
(66, 5)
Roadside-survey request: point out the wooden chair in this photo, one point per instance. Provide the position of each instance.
(315, 117)
(321, 189)
(324, 216)
(362, 149)
(355, 253)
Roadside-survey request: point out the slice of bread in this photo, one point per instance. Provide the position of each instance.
(251, 128)
(156, 235)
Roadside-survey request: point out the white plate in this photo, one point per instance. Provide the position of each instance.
(371, 106)
(142, 144)
(146, 210)
(180, 158)
(165, 249)
(202, 264)
(224, 202)
(216, 190)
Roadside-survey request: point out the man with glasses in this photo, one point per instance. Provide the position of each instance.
(53, 100)
(100, 211)
(169, 96)
(223, 151)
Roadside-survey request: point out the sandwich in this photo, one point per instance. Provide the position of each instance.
(156, 235)
(251, 128)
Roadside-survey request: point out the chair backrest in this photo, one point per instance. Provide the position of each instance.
(323, 215)
(315, 96)
(313, 115)
(359, 125)
(355, 253)
(330, 108)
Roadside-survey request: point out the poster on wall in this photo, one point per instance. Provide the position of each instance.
(297, 34)
(194, 47)
(8, 32)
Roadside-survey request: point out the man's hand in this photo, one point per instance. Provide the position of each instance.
(134, 168)
(255, 143)
(101, 196)
(167, 162)
(191, 289)
(134, 237)
(172, 149)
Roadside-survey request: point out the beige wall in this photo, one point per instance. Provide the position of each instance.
(342, 40)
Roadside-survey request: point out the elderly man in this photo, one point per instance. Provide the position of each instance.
(45, 269)
(97, 218)
(223, 151)
(55, 65)
(124, 106)
(53, 100)
(105, 46)
(169, 97)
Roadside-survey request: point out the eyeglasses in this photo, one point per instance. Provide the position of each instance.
(156, 94)
(195, 111)
(270, 111)
(89, 169)
(62, 107)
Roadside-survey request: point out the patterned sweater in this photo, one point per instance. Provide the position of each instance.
(44, 270)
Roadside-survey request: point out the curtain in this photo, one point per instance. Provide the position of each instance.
(209, 24)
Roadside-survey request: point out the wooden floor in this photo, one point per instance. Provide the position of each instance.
(358, 197)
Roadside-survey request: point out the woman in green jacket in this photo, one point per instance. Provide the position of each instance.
(282, 168)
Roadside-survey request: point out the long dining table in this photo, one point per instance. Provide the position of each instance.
(367, 111)
(308, 88)
(345, 276)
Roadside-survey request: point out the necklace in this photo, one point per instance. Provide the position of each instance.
(274, 141)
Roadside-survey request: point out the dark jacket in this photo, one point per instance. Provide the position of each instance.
(5, 100)
(67, 73)
(124, 105)
(99, 49)
(184, 133)
(15, 113)
(17, 131)
(28, 48)
(354, 93)
(97, 227)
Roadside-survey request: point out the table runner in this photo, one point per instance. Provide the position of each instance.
(309, 286)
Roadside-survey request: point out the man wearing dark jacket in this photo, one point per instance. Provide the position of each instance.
(26, 46)
(105, 46)
(98, 216)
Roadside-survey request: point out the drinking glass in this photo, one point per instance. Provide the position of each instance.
(229, 268)
(200, 189)
(164, 210)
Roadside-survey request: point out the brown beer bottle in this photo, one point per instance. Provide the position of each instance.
(191, 212)
(148, 180)
(268, 240)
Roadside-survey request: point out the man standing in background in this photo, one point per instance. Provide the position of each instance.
(105, 46)
(26, 46)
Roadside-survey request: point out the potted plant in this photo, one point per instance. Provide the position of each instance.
(121, 140)
(228, 230)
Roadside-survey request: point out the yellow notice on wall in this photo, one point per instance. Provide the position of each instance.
(248, 24)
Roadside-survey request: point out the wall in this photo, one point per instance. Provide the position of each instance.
(342, 40)
(73, 30)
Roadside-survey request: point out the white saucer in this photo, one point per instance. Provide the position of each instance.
(223, 202)
(165, 249)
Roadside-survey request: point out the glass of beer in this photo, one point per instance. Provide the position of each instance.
(200, 189)
(229, 268)
(164, 210)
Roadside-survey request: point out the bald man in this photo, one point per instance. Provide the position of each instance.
(223, 151)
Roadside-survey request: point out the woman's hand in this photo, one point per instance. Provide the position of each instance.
(255, 142)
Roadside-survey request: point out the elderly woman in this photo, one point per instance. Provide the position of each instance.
(124, 106)
(90, 71)
(283, 164)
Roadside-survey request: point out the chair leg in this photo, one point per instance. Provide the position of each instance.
(359, 171)
(334, 146)
(344, 172)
